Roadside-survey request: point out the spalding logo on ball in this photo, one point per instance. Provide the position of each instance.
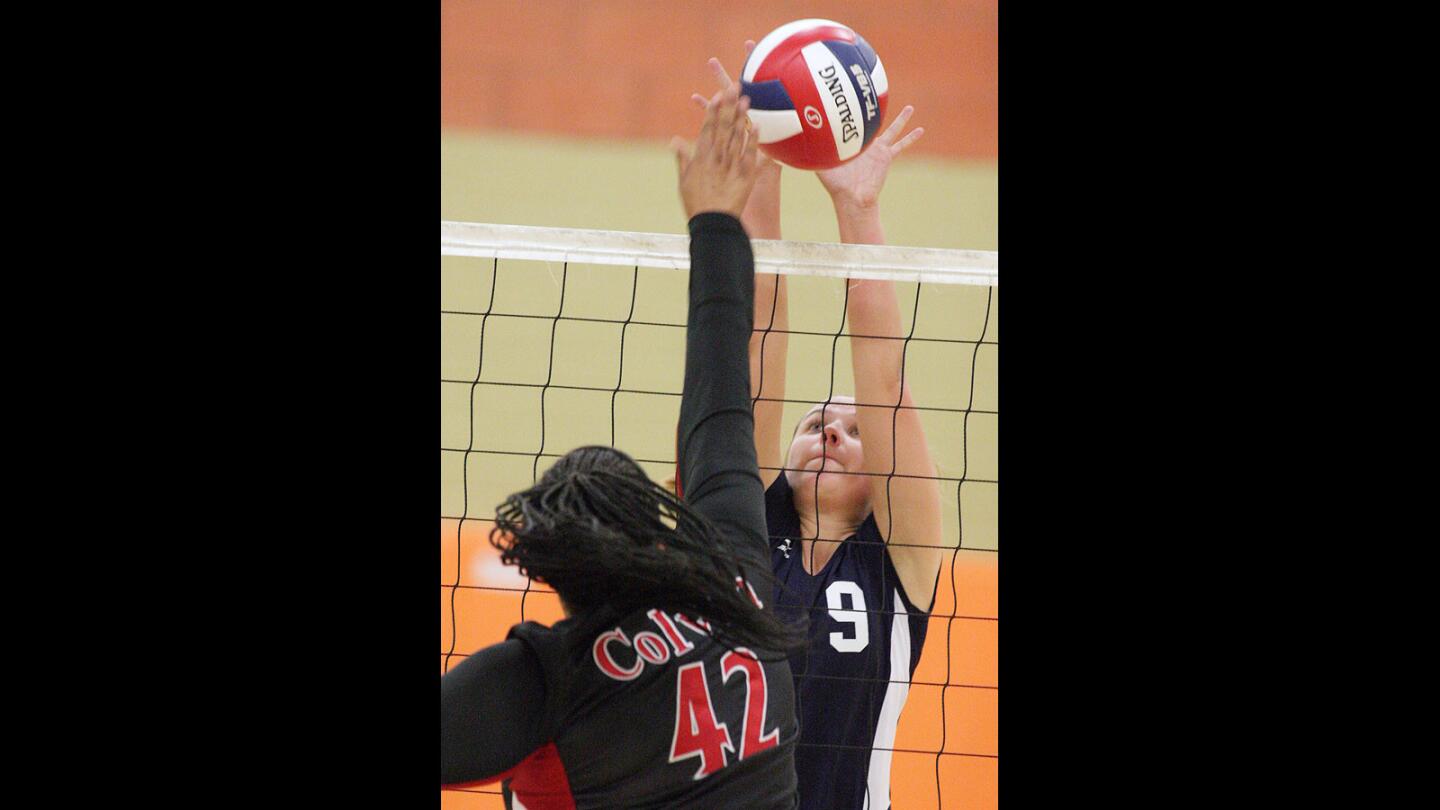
(817, 93)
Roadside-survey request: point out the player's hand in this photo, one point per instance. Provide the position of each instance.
(769, 169)
(722, 77)
(718, 171)
(762, 214)
(857, 183)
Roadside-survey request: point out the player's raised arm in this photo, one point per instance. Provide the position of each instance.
(716, 455)
(770, 339)
(907, 509)
(769, 342)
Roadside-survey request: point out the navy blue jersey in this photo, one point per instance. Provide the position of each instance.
(851, 682)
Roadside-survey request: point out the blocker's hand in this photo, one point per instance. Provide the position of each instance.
(718, 171)
(762, 214)
(722, 76)
(858, 182)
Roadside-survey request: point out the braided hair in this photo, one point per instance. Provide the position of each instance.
(611, 541)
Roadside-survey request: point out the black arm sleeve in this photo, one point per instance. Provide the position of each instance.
(492, 709)
(719, 476)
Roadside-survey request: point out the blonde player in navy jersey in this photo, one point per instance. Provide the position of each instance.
(667, 684)
(855, 547)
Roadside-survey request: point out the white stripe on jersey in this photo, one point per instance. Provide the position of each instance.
(881, 750)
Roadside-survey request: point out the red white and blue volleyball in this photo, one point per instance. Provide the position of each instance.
(817, 93)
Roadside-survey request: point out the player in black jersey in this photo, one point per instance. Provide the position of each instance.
(667, 684)
(856, 547)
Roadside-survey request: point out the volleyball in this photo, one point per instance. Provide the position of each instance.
(817, 93)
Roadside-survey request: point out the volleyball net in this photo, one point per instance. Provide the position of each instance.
(554, 338)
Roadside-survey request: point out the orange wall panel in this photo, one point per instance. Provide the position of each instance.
(950, 722)
(626, 68)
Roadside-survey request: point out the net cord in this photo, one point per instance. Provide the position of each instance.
(672, 251)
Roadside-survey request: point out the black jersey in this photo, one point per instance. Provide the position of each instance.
(658, 715)
(852, 681)
(651, 712)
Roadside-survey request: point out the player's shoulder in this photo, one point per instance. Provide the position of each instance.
(552, 645)
(781, 519)
(536, 633)
(874, 556)
(777, 495)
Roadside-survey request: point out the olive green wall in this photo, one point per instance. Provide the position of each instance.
(535, 180)
(610, 185)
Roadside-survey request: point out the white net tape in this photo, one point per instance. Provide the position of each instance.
(672, 251)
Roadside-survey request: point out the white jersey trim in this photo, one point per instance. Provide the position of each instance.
(877, 785)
